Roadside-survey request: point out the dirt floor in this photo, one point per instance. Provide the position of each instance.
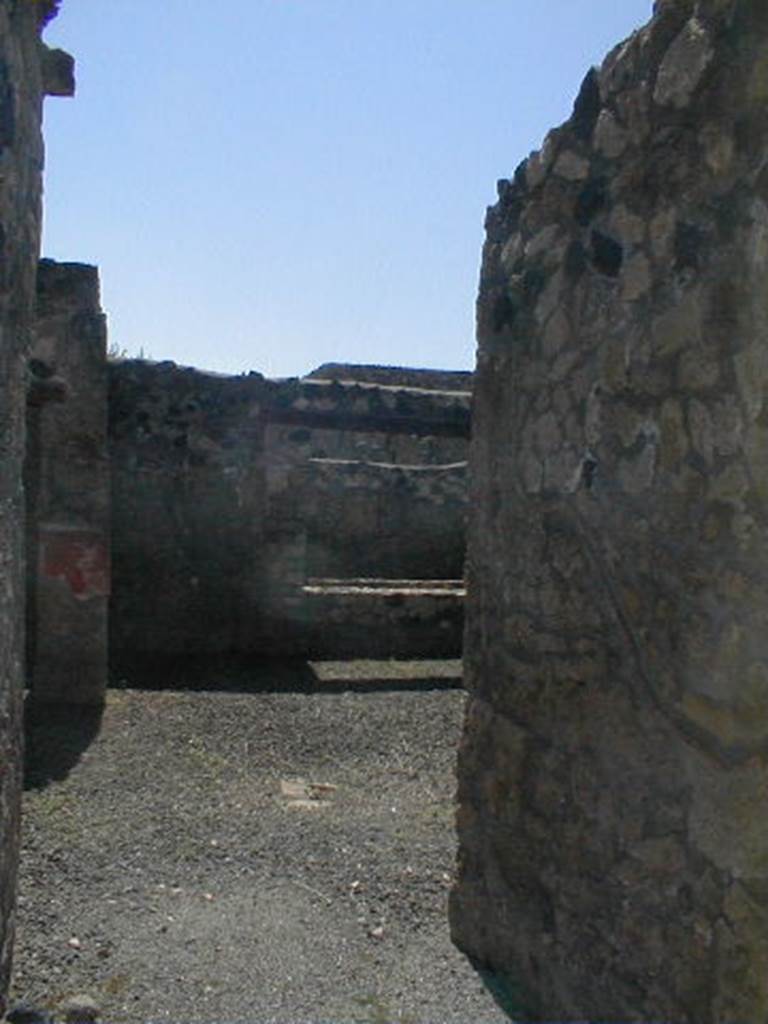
(271, 844)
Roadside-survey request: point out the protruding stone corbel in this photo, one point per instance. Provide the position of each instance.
(58, 68)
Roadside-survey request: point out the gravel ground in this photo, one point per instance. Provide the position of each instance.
(282, 853)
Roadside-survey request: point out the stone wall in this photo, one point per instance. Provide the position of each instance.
(297, 443)
(67, 486)
(363, 407)
(220, 512)
(613, 775)
(364, 559)
(379, 520)
(187, 501)
(22, 84)
(395, 376)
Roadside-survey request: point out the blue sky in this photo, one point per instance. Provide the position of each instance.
(272, 184)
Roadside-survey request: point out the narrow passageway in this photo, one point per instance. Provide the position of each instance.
(281, 854)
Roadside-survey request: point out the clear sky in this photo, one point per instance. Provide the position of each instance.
(273, 184)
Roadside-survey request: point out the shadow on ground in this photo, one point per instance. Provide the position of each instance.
(229, 674)
(55, 738)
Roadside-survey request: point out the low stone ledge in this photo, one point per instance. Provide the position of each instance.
(384, 618)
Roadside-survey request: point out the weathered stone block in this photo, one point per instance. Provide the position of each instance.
(58, 72)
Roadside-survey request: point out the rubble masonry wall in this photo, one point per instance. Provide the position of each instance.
(21, 157)
(614, 769)
(221, 506)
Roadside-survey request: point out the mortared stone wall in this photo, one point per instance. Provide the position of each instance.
(613, 779)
